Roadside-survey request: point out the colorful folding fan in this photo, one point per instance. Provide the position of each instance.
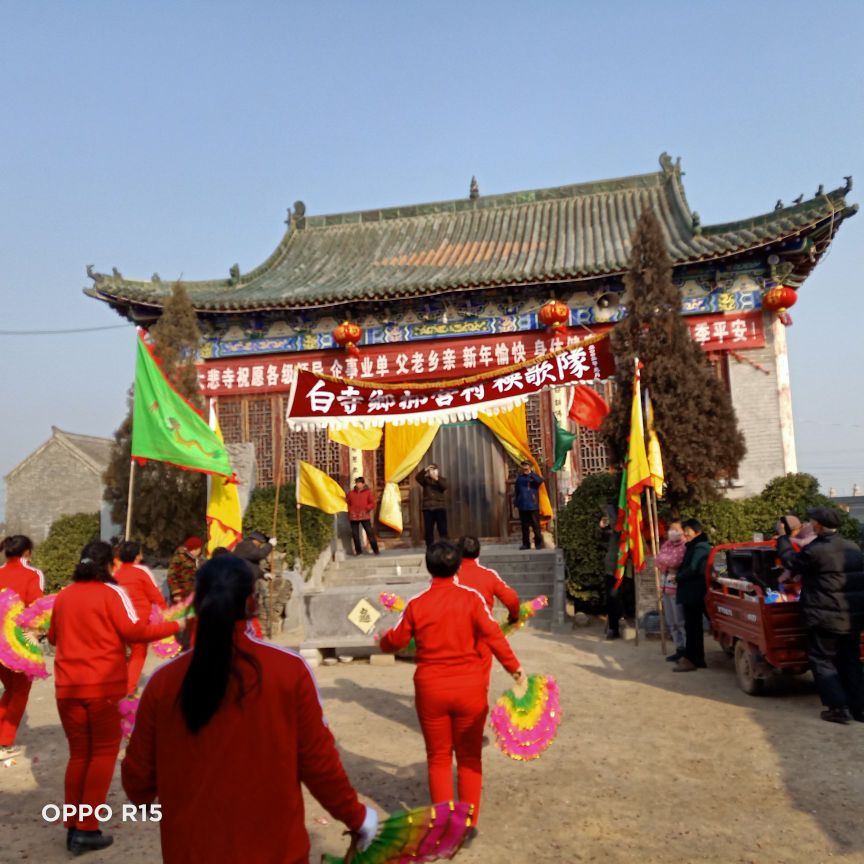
(526, 725)
(527, 610)
(37, 616)
(128, 708)
(169, 646)
(414, 836)
(17, 651)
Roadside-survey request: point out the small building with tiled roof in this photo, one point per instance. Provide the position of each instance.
(61, 477)
(471, 274)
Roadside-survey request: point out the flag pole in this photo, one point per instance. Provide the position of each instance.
(280, 479)
(653, 524)
(129, 500)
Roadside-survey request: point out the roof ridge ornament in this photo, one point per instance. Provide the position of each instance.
(848, 187)
(668, 166)
(474, 189)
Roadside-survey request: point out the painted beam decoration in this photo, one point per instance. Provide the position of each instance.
(321, 400)
(453, 358)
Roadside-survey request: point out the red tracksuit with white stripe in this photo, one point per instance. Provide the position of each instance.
(246, 802)
(29, 584)
(90, 625)
(448, 622)
(143, 591)
(489, 585)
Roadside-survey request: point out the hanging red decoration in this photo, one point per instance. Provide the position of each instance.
(553, 313)
(348, 334)
(779, 299)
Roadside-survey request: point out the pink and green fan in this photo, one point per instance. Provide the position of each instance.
(423, 834)
(526, 725)
(527, 610)
(169, 646)
(37, 616)
(128, 708)
(17, 651)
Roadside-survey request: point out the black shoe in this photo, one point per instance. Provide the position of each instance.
(523, 546)
(612, 634)
(89, 841)
(70, 833)
(674, 658)
(470, 837)
(376, 552)
(836, 715)
(858, 715)
(540, 545)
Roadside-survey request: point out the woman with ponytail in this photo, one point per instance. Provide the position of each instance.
(29, 584)
(244, 719)
(92, 621)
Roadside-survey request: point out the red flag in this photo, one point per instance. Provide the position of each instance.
(588, 407)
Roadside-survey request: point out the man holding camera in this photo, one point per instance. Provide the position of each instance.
(832, 601)
(434, 502)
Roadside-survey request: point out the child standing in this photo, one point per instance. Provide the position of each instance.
(669, 559)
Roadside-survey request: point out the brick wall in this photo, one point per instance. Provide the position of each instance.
(756, 402)
(53, 483)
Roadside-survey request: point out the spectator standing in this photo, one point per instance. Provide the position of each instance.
(691, 595)
(669, 559)
(361, 509)
(434, 504)
(528, 485)
(182, 568)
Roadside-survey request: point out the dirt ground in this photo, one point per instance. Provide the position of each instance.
(649, 766)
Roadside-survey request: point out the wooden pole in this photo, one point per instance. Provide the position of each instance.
(299, 539)
(280, 472)
(655, 545)
(129, 500)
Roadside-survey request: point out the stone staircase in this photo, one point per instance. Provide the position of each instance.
(346, 581)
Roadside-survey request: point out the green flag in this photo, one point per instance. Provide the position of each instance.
(563, 442)
(166, 428)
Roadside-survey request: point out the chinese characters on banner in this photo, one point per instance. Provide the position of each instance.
(319, 401)
(442, 359)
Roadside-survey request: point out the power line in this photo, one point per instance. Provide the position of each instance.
(62, 332)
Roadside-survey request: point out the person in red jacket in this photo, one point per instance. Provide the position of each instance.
(489, 585)
(139, 584)
(244, 718)
(29, 584)
(92, 620)
(361, 509)
(448, 622)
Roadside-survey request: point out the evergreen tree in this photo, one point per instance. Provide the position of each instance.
(693, 412)
(169, 503)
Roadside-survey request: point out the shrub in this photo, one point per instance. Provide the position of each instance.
(61, 551)
(579, 537)
(317, 526)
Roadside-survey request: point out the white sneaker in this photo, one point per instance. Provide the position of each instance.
(9, 752)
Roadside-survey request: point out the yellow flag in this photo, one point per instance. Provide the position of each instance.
(357, 437)
(655, 458)
(224, 516)
(317, 489)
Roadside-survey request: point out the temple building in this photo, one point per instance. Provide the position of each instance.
(446, 290)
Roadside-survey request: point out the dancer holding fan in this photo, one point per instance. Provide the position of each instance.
(448, 621)
(29, 584)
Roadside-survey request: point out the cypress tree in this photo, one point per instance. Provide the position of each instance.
(693, 413)
(169, 503)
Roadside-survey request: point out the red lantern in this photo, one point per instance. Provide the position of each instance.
(778, 300)
(553, 314)
(348, 334)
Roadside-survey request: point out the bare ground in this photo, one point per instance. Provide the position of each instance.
(649, 766)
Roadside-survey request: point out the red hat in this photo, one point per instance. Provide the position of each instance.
(588, 407)
(192, 543)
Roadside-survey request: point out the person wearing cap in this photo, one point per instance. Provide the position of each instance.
(832, 602)
(182, 568)
(361, 508)
(527, 491)
(255, 548)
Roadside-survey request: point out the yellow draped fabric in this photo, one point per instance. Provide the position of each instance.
(511, 429)
(224, 514)
(404, 447)
(357, 437)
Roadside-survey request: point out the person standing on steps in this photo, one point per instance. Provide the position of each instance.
(361, 509)
(528, 504)
(434, 504)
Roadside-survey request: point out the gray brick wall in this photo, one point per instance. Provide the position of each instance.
(755, 398)
(52, 484)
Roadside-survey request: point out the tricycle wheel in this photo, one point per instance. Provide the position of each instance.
(746, 671)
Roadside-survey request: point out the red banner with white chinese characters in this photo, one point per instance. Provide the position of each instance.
(317, 400)
(441, 359)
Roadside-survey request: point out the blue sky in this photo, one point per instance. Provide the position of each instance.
(172, 137)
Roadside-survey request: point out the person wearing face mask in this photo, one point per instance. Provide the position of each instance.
(832, 602)
(668, 560)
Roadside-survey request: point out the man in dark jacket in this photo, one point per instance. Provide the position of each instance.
(528, 504)
(434, 502)
(691, 595)
(832, 602)
(610, 541)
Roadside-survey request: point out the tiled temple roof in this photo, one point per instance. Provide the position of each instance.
(567, 233)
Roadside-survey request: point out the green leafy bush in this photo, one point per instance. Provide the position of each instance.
(579, 537)
(316, 526)
(61, 551)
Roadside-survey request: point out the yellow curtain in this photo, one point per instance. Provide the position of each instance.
(357, 437)
(404, 447)
(511, 429)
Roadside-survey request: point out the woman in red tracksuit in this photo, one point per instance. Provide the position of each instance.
(139, 584)
(29, 584)
(243, 718)
(91, 623)
(448, 622)
(489, 585)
